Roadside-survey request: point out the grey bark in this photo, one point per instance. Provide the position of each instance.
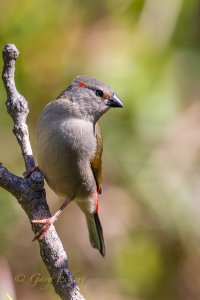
(30, 192)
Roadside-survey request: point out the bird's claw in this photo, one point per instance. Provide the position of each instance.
(48, 222)
(46, 225)
(28, 173)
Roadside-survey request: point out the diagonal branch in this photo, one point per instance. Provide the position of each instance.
(30, 192)
(10, 182)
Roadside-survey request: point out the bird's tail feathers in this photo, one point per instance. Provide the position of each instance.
(96, 232)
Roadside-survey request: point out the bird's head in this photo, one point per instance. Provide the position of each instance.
(91, 97)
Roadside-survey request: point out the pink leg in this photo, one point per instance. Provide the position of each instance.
(29, 172)
(48, 222)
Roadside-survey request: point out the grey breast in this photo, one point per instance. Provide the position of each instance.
(65, 147)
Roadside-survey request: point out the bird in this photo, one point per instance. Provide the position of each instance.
(69, 150)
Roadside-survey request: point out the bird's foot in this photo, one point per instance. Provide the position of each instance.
(46, 225)
(48, 222)
(28, 173)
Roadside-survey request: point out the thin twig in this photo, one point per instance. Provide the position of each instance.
(17, 106)
(30, 192)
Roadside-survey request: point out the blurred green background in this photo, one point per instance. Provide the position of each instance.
(148, 51)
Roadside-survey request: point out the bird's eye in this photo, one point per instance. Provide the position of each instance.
(99, 93)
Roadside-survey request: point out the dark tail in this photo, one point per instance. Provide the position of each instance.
(96, 232)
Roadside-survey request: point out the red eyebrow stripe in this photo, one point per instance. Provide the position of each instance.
(81, 84)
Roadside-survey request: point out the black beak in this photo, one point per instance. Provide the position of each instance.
(114, 102)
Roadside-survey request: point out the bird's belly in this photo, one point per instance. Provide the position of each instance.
(64, 153)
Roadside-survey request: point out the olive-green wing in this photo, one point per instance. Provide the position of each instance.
(96, 162)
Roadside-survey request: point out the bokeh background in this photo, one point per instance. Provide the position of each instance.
(149, 52)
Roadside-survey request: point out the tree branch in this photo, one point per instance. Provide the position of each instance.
(30, 192)
(17, 106)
